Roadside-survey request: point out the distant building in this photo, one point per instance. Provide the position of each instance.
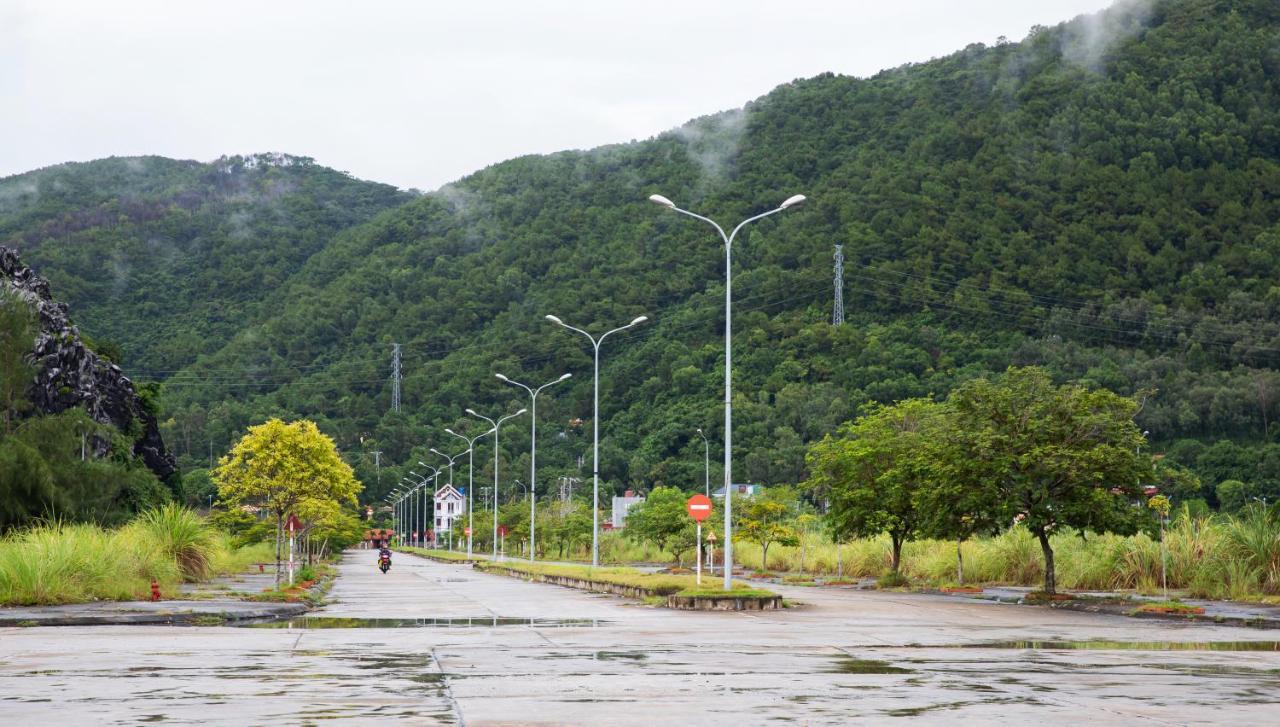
(740, 490)
(450, 505)
(620, 507)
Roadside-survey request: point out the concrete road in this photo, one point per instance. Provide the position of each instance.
(457, 646)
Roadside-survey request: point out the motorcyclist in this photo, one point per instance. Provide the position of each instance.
(384, 552)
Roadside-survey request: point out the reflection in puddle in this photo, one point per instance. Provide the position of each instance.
(337, 622)
(866, 666)
(1126, 645)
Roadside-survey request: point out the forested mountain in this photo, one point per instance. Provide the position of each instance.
(162, 260)
(1102, 199)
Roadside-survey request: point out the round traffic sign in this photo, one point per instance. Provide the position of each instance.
(466, 531)
(699, 507)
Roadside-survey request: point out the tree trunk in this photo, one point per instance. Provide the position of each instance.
(279, 535)
(764, 556)
(897, 552)
(959, 562)
(1050, 585)
(839, 562)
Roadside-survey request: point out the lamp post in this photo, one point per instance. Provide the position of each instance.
(450, 459)
(471, 468)
(435, 473)
(706, 461)
(595, 428)
(533, 448)
(495, 425)
(728, 360)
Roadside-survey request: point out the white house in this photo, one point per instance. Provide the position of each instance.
(621, 505)
(740, 490)
(450, 505)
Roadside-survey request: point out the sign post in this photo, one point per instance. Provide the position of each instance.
(502, 533)
(698, 507)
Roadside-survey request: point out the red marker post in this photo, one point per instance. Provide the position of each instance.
(699, 508)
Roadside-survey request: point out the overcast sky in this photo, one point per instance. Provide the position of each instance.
(418, 92)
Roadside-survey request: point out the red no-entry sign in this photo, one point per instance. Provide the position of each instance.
(699, 507)
(466, 531)
(502, 530)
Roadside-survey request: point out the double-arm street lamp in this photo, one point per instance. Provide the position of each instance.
(533, 448)
(471, 469)
(494, 427)
(728, 350)
(595, 428)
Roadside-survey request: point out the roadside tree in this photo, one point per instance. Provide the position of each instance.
(279, 466)
(1057, 456)
(874, 470)
(768, 518)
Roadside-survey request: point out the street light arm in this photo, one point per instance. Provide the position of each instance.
(707, 220)
(561, 323)
(749, 220)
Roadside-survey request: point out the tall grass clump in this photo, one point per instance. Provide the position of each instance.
(183, 535)
(55, 562)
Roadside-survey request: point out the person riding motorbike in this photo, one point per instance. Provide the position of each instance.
(384, 558)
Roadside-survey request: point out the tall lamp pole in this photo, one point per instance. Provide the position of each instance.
(706, 461)
(471, 469)
(595, 429)
(533, 448)
(494, 425)
(728, 360)
(435, 473)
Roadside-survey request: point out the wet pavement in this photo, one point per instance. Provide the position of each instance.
(462, 647)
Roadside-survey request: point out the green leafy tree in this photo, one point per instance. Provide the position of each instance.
(279, 467)
(1058, 456)
(875, 470)
(768, 518)
(661, 520)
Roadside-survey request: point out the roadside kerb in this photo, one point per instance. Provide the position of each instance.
(751, 600)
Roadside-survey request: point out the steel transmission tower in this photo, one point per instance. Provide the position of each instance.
(837, 314)
(395, 377)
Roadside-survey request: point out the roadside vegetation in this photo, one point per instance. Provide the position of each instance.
(657, 584)
(55, 563)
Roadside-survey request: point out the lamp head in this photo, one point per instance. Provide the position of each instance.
(553, 319)
(501, 377)
(562, 378)
(638, 320)
(450, 431)
(436, 451)
(660, 200)
(793, 201)
(521, 412)
(472, 412)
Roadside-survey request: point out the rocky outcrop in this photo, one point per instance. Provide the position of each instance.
(69, 374)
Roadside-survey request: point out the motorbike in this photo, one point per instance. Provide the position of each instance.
(384, 563)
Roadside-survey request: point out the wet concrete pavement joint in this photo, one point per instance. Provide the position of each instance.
(846, 657)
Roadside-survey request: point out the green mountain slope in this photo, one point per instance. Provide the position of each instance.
(1102, 199)
(168, 259)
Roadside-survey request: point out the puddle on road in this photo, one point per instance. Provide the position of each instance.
(1123, 645)
(338, 622)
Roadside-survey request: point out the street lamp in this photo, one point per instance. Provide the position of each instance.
(450, 459)
(728, 360)
(471, 468)
(494, 425)
(595, 428)
(533, 447)
(706, 461)
(415, 506)
(435, 477)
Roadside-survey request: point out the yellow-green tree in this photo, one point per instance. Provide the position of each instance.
(279, 466)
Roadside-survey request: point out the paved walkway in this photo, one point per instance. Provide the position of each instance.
(502, 651)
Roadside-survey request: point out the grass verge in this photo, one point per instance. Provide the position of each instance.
(655, 584)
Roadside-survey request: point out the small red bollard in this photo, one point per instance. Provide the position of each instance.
(261, 569)
(155, 591)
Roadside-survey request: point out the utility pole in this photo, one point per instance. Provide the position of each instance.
(395, 378)
(837, 315)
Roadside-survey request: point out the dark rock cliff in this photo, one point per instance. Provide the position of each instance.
(69, 374)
